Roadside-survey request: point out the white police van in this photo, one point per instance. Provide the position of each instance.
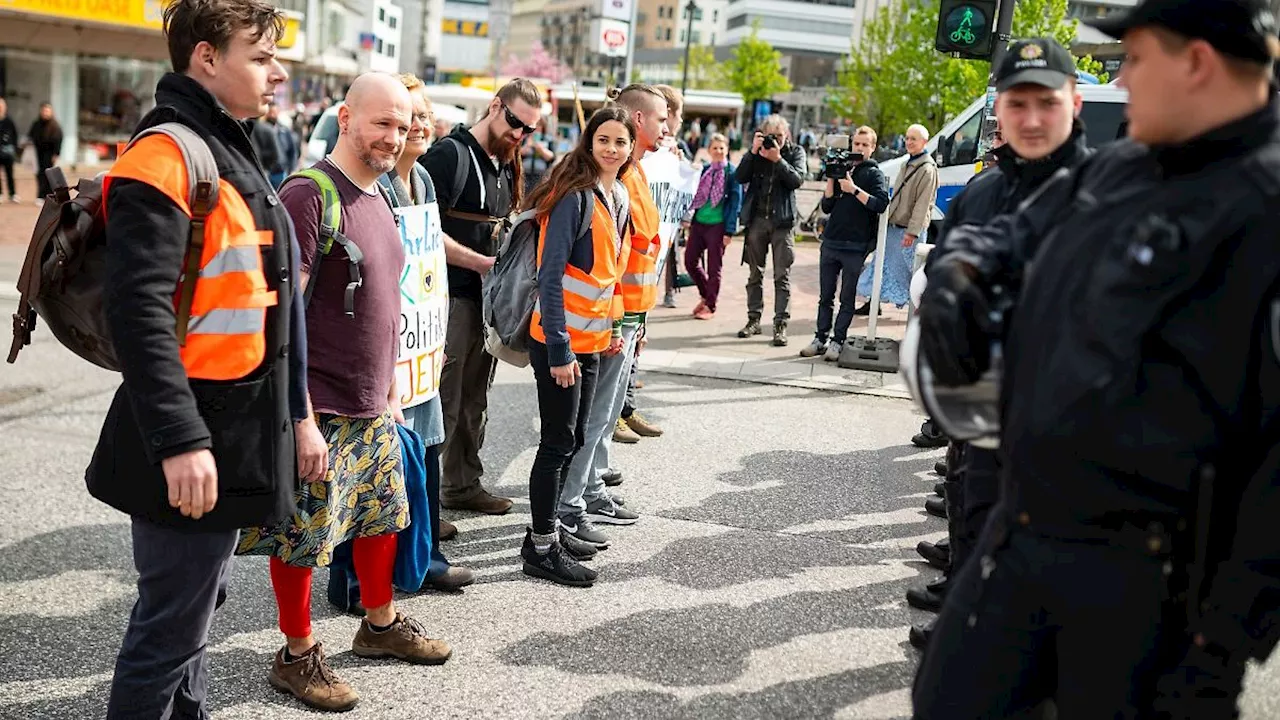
(955, 145)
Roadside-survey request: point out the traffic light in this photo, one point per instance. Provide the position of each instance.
(964, 28)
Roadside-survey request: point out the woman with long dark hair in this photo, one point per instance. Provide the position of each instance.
(45, 136)
(579, 266)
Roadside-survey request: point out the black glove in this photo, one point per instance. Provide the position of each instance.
(955, 324)
(1204, 685)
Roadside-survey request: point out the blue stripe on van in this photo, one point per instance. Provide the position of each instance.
(945, 194)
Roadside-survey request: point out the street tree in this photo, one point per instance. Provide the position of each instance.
(895, 77)
(755, 69)
(704, 72)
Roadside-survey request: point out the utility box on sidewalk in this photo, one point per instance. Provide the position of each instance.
(875, 355)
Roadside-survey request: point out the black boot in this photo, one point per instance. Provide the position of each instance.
(940, 468)
(937, 554)
(939, 489)
(930, 436)
(936, 507)
(919, 636)
(554, 565)
(929, 597)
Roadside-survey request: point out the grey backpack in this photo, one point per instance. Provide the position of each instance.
(511, 287)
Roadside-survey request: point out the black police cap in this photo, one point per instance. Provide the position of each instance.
(1037, 61)
(1245, 29)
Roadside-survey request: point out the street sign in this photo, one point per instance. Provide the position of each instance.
(610, 37)
(615, 9)
(964, 28)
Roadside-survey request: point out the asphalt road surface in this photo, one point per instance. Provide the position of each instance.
(765, 580)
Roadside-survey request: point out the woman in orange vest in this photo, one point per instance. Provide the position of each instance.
(575, 318)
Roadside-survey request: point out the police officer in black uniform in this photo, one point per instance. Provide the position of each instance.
(1037, 108)
(1128, 571)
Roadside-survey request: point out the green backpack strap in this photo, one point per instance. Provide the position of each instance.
(331, 232)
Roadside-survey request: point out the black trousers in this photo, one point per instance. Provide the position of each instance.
(162, 671)
(1090, 625)
(972, 490)
(9, 189)
(563, 415)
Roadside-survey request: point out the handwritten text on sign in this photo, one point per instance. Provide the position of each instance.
(424, 305)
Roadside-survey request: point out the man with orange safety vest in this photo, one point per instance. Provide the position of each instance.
(199, 438)
(584, 500)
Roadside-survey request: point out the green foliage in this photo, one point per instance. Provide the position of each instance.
(704, 72)
(755, 70)
(895, 77)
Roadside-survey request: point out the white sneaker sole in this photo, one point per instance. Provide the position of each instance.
(600, 519)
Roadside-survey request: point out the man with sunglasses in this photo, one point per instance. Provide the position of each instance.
(477, 175)
(1037, 110)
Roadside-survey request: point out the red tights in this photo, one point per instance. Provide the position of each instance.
(374, 558)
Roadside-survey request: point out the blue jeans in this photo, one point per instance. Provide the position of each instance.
(162, 670)
(837, 266)
(344, 588)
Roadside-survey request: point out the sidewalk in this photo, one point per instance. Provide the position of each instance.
(678, 344)
(681, 345)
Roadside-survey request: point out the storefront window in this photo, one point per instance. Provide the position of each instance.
(114, 95)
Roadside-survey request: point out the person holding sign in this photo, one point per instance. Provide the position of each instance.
(579, 269)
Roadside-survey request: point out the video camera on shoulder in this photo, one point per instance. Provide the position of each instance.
(839, 158)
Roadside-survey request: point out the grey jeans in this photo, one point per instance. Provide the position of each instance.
(762, 237)
(584, 481)
(162, 671)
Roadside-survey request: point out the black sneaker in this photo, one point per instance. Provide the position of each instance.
(555, 565)
(577, 549)
(751, 328)
(612, 478)
(863, 311)
(583, 529)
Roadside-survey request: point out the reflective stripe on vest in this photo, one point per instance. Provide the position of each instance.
(227, 329)
(591, 301)
(640, 281)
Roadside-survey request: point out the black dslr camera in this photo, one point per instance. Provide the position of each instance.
(839, 159)
(770, 142)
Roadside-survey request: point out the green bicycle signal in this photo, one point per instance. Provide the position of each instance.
(964, 27)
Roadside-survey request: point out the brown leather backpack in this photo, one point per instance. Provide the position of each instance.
(63, 275)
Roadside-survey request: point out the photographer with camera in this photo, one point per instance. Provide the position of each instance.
(856, 194)
(772, 171)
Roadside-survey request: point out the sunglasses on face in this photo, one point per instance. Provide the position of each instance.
(515, 122)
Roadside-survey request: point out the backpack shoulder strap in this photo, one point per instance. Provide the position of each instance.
(331, 232)
(587, 199)
(462, 170)
(331, 206)
(202, 198)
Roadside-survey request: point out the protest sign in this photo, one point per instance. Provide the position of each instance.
(424, 305)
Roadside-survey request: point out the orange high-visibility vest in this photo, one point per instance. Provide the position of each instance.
(591, 300)
(226, 335)
(640, 281)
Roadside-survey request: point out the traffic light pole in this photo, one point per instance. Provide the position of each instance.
(1004, 33)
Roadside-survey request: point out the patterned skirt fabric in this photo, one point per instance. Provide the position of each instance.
(361, 495)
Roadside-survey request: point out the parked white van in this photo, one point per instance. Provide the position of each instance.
(955, 145)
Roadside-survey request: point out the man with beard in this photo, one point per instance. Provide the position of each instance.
(350, 465)
(477, 175)
(1037, 107)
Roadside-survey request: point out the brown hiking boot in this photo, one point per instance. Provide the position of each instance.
(483, 502)
(448, 530)
(406, 640)
(622, 433)
(310, 679)
(643, 427)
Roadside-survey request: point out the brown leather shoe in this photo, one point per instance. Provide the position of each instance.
(405, 640)
(453, 580)
(448, 530)
(483, 502)
(310, 679)
(624, 434)
(643, 427)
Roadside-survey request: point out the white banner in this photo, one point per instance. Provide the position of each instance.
(424, 305)
(673, 182)
(616, 9)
